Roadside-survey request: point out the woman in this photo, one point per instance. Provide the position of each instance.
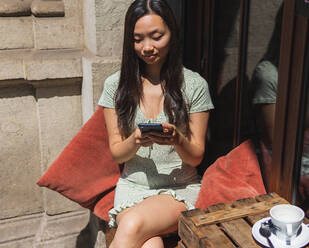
(159, 179)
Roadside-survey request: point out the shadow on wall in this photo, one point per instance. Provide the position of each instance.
(93, 235)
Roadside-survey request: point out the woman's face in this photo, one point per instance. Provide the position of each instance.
(151, 39)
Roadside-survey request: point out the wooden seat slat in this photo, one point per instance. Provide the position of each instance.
(240, 231)
(213, 236)
(198, 237)
(234, 213)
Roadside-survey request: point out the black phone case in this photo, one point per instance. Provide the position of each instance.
(150, 127)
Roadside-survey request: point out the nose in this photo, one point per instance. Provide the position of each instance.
(148, 47)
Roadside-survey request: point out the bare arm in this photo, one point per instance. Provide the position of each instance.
(192, 150)
(122, 149)
(266, 121)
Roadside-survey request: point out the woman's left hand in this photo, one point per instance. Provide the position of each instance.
(170, 135)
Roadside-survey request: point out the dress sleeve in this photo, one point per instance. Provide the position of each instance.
(107, 98)
(197, 93)
(265, 81)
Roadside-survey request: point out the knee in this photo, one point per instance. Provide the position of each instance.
(131, 225)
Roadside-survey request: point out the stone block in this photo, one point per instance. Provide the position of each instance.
(49, 8)
(53, 64)
(110, 17)
(65, 230)
(19, 153)
(110, 43)
(22, 228)
(39, 65)
(16, 33)
(62, 225)
(90, 26)
(21, 243)
(95, 70)
(100, 72)
(60, 117)
(11, 65)
(15, 8)
(57, 33)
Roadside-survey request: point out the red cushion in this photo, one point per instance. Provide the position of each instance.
(85, 171)
(231, 177)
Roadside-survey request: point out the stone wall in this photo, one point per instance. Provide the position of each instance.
(54, 57)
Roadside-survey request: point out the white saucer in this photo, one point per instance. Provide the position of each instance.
(300, 241)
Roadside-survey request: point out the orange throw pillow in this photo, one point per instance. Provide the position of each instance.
(85, 171)
(231, 177)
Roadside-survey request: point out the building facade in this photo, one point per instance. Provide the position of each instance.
(54, 57)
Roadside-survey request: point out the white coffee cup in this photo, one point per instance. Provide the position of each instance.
(287, 220)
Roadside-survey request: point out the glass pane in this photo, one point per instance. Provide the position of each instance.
(303, 188)
(264, 49)
(225, 40)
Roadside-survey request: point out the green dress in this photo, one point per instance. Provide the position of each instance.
(158, 169)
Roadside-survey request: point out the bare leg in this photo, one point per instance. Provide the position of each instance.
(152, 217)
(155, 242)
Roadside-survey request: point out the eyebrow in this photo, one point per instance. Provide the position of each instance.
(150, 33)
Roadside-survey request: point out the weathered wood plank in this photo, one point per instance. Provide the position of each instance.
(214, 237)
(211, 235)
(255, 218)
(234, 213)
(252, 219)
(271, 197)
(240, 231)
(204, 236)
(187, 231)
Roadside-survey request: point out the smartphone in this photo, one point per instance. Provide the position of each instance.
(150, 127)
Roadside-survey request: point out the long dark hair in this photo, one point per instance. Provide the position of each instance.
(130, 92)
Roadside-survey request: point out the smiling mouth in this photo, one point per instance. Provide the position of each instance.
(150, 56)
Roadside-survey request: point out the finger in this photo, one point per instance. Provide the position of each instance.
(146, 144)
(164, 140)
(159, 135)
(143, 140)
(168, 128)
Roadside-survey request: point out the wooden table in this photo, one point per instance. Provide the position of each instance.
(226, 225)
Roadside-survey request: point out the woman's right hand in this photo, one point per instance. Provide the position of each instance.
(142, 140)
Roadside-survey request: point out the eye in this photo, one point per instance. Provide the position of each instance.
(137, 40)
(157, 37)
